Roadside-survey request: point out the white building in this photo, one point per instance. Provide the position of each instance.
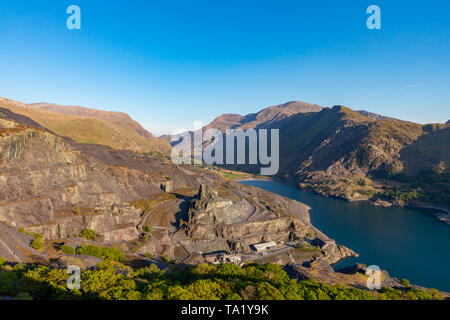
(264, 246)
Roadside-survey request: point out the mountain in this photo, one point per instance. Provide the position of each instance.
(91, 126)
(345, 153)
(56, 187)
(64, 203)
(448, 122)
(261, 119)
(373, 116)
(59, 189)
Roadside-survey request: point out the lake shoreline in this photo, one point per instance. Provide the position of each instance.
(405, 236)
(442, 215)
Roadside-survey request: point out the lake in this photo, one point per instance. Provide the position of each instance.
(408, 243)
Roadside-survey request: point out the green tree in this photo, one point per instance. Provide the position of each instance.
(68, 249)
(38, 242)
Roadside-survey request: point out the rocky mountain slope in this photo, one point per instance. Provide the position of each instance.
(83, 125)
(56, 187)
(349, 154)
(263, 118)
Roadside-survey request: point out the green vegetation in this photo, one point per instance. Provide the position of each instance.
(38, 242)
(362, 182)
(68, 249)
(307, 247)
(432, 185)
(165, 258)
(147, 229)
(113, 280)
(394, 193)
(2, 261)
(405, 282)
(148, 255)
(90, 235)
(105, 253)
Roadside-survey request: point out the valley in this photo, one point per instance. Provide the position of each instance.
(66, 201)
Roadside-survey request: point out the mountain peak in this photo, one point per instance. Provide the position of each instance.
(350, 114)
(374, 116)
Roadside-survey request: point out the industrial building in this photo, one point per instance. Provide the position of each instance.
(264, 246)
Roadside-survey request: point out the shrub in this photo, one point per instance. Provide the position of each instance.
(90, 250)
(23, 296)
(405, 282)
(105, 253)
(90, 235)
(362, 182)
(435, 293)
(68, 249)
(2, 261)
(113, 254)
(165, 258)
(148, 255)
(147, 229)
(38, 242)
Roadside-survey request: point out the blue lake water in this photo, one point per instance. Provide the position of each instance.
(408, 243)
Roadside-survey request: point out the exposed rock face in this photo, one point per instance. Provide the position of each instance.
(328, 150)
(335, 253)
(208, 208)
(166, 186)
(54, 186)
(213, 219)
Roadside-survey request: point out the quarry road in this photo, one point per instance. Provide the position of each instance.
(147, 214)
(247, 206)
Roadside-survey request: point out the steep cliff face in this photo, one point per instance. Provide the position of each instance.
(54, 186)
(241, 224)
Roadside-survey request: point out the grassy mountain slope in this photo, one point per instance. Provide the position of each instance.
(83, 125)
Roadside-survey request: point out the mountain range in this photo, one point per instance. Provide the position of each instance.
(68, 200)
(83, 125)
(349, 154)
(333, 151)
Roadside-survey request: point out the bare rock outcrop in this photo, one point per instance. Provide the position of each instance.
(54, 186)
(212, 218)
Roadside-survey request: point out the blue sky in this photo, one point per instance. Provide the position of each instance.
(168, 63)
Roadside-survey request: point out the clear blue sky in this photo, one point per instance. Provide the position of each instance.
(168, 63)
